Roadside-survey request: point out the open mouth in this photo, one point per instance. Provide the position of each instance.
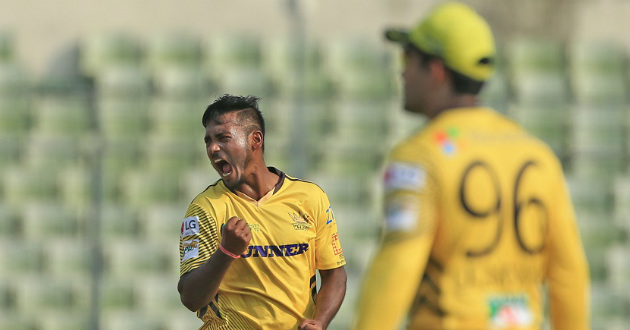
(223, 167)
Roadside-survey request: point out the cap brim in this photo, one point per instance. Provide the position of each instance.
(400, 36)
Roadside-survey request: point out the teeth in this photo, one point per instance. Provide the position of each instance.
(226, 174)
(217, 160)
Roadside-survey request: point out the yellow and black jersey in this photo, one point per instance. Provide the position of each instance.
(272, 285)
(478, 217)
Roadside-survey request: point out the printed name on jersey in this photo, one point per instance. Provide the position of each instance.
(336, 245)
(190, 226)
(191, 249)
(269, 251)
(401, 214)
(404, 176)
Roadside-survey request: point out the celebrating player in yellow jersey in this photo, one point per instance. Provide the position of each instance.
(251, 243)
(478, 217)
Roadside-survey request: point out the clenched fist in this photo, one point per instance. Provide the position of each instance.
(236, 235)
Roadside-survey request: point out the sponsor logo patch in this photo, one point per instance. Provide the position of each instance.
(510, 311)
(190, 226)
(404, 176)
(336, 245)
(330, 215)
(299, 221)
(191, 249)
(401, 214)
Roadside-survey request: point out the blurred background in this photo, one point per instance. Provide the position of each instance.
(101, 140)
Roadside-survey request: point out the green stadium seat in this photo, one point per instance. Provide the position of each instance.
(129, 320)
(342, 189)
(101, 51)
(496, 93)
(117, 222)
(174, 49)
(52, 150)
(183, 83)
(117, 294)
(541, 89)
(618, 267)
(183, 320)
(135, 259)
(172, 154)
(363, 122)
(67, 257)
(342, 55)
(123, 118)
(8, 222)
(609, 307)
(598, 129)
(124, 82)
(598, 234)
(15, 93)
(18, 259)
(156, 296)
(526, 55)
(140, 188)
(23, 184)
(246, 81)
(50, 295)
(10, 320)
(161, 222)
(63, 115)
(588, 194)
(76, 187)
(42, 220)
(282, 56)
(197, 179)
(596, 56)
(225, 52)
(64, 321)
(7, 46)
(376, 84)
(549, 123)
(179, 118)
(622, 201)
(312, 84)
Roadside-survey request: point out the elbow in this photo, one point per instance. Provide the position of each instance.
(189, 303)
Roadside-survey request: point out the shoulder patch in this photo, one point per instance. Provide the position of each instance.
(190, 226)
(404, 176)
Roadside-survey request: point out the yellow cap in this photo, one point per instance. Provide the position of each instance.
(458, 35)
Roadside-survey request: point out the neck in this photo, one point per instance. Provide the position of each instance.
(259, 181)
(458, 101)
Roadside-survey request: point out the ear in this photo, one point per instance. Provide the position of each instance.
(438, 71)
(256, 140)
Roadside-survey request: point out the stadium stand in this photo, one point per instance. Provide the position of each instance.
(137, 136)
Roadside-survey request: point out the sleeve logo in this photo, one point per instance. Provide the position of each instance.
(336, 245)
(190, 226)
(401, 214)
(404, 176)
(191, 249)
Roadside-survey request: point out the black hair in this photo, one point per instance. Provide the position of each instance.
(462, 84)
(247, 106)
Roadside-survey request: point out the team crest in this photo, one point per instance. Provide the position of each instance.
(299, 221)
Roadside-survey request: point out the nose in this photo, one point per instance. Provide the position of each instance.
(213, 148)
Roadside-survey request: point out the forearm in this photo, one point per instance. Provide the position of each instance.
(330, 295)
(199, 286)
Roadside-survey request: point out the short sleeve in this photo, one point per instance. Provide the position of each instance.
(198, 239)
(329, 253)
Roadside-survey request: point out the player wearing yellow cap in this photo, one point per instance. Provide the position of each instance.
(478, 218)
(251, 243)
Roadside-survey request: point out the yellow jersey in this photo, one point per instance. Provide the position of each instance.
(273, 284)
(478, 220)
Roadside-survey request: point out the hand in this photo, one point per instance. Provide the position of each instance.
(310, 325)
(236, 236)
